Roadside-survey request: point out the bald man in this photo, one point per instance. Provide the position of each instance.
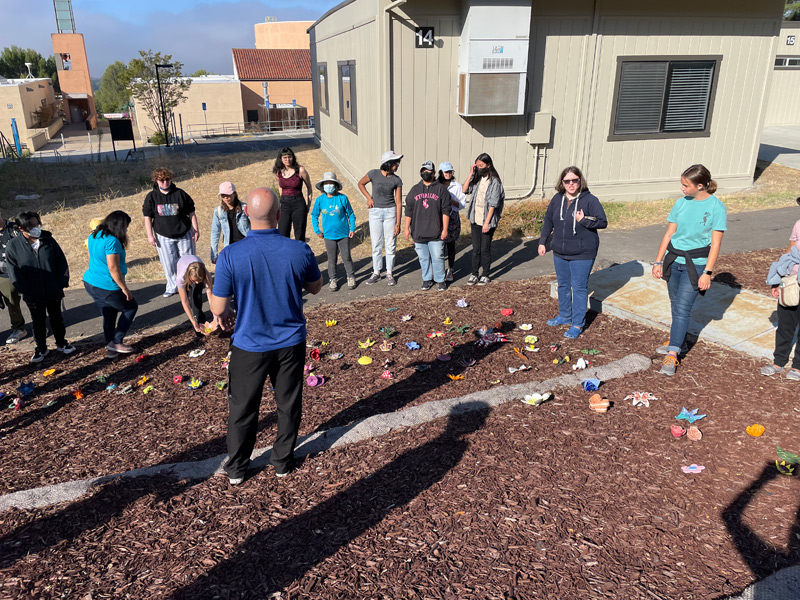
(267, 274)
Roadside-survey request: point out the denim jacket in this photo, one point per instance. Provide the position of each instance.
(219, 224)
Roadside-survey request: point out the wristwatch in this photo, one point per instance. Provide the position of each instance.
(707, 272)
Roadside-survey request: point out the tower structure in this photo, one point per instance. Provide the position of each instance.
(73, 67)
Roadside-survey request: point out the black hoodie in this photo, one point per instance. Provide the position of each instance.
(40, 276)
(170, 212)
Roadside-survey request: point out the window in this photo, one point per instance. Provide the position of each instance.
(347, 94)
(787, 62)
(323, 87)
(660, 97)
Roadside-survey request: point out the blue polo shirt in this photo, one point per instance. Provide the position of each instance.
(265, 272)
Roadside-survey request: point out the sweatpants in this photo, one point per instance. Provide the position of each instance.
(334, 247)
(169, 251)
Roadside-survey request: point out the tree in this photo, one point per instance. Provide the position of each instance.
(792, 11)
(142, 84)
(112, 95)
(13, 59)
(200, 73)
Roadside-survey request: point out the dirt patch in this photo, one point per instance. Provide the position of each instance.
(747, 270)
(519, 502)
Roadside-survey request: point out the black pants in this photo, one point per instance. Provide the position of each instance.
(196, 301)
(481, 250)
(788, 328)
(294, 214)
(112, 303)
(450, 247)
(39, 314)
(247, 372)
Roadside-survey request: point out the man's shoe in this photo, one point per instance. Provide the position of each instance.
(483, 280)
(441, 287)
(236, 480)
(448, 276)
(559, 320)
(391, 280)
(426, 285)
(286, 470)
(120, 348)
(333, 285)
(66, 348)
(351, 283)
(38, 355)
(374, 278)
(473, 279)
(16, 336)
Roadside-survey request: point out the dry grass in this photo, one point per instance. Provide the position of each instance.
(73, 194)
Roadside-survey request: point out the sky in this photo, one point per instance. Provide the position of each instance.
(199, 34)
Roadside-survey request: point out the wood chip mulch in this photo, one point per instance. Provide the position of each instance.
(519, 502)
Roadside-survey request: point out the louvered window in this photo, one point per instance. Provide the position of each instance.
(663, 97)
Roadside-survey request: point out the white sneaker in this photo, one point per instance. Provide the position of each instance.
(16, 336)
(333, 285)
(121, 348)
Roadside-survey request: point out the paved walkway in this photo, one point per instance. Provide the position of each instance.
(781, 145)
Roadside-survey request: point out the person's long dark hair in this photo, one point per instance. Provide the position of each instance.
(116, 224)
(278, 166)
(487, 160)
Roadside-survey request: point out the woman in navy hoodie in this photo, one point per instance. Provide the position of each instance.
(573, 217)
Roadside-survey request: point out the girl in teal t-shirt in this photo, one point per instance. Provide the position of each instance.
(333, 220)
(687, 254)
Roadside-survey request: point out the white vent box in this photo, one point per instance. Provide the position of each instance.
(493, 59)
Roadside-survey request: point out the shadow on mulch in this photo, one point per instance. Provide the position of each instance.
(271, 560)
(67, 382)
(763, 557)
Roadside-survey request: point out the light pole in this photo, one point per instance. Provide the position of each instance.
(161, 101)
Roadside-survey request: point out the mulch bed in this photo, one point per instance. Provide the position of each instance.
(747, 270)
(522, 502)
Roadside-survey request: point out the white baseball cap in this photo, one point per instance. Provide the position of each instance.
(390, 155)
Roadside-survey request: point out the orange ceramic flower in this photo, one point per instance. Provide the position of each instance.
(755, 430)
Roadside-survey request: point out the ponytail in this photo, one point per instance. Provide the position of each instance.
(700, 175)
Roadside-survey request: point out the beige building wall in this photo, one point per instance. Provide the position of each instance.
(783, 107)
(73, 74)
(571, 75)
(282, 35)
(19, 99)
(223, 98)
(280, 92)
(350, 33)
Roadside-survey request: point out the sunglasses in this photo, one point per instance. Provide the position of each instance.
(568, 181)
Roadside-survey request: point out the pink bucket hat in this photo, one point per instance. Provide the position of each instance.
(227, 188)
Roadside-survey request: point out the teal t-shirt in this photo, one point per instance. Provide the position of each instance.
(696, 220)
(98, 274)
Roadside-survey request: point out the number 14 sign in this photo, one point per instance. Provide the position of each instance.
(424, 37)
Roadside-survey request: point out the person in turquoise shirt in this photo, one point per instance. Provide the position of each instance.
(104, 280)
(687, 254)
(338, 224)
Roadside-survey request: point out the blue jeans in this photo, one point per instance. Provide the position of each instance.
(681, 298)
(573, 279)
(112, 303)
(382, 222)
(431, 260)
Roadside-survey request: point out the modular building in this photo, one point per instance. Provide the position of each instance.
(631, 92)
(32, 105)
(783, 107)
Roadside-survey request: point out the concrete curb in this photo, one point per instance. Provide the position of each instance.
(315, 443)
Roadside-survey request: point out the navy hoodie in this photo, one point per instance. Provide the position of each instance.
(574, 240)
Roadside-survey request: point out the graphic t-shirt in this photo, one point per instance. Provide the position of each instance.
(383, 188)
(696, 220)
(98, 274)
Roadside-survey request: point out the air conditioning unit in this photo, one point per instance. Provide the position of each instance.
(493, 60)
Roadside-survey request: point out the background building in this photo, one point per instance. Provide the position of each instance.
(783, 107)
(32, 103)
(631, 92)
(73, 68)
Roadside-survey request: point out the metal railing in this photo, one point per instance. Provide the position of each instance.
(226, 129)
(7, 149)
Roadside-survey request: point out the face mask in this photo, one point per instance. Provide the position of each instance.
(427, 176)
(35, 232)
(483, 171)
(329, 188)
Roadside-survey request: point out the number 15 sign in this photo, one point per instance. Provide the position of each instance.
(424, 37)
